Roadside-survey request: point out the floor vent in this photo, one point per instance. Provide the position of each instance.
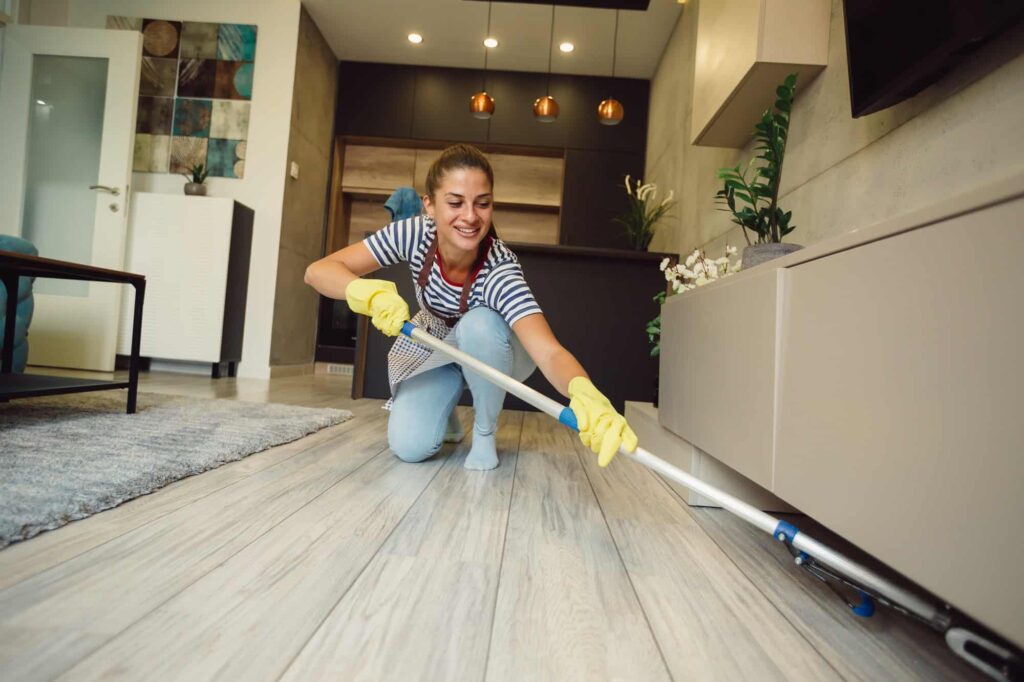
(343, 370)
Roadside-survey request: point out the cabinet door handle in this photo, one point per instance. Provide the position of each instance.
(112, 190)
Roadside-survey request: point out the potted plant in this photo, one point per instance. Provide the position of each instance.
(196, 176)
(752, 194)
(644, 213)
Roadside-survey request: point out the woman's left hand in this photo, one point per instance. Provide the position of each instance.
(601, 428)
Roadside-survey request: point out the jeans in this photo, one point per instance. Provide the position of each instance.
(423, 403)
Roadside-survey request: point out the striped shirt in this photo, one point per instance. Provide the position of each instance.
(499, 285)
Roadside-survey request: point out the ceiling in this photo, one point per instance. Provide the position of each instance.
(453, 33)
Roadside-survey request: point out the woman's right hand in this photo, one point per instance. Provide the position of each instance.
(379, 299)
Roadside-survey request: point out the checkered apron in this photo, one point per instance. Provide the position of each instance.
(407, 358)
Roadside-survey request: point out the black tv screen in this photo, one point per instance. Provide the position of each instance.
(896, 48)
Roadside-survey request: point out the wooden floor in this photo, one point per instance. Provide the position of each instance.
(329, 558)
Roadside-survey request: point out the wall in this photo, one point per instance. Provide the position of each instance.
(842, 173)
(302, 225)
(262, 189)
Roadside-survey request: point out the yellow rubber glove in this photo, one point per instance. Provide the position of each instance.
(378, 299)
(602, 429)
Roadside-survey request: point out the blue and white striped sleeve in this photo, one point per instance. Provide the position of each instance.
(395, 242)
(507, 293)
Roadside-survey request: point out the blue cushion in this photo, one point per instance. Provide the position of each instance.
(26, 304)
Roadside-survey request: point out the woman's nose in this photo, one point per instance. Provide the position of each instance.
(470, 215)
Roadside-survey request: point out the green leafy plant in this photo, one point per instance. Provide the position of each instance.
(643, 215)
(654, 326)
(198, 173)
(751, 194)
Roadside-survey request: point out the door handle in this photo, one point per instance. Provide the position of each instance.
(112, 190)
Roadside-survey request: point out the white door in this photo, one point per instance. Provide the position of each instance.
(67, 128)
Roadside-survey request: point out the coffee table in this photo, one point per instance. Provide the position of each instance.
(15, 265)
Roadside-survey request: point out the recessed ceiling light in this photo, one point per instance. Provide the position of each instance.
(490, 42)
(415, 38)
(566, 47)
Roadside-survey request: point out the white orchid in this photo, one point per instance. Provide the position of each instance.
(697, 270)
(629, 190)
(664, 263)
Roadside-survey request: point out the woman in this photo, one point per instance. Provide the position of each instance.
(472, 293)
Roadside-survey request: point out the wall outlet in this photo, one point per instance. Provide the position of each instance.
(343, 370)
(294, 170)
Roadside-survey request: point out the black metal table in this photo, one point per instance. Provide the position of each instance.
(15, 265)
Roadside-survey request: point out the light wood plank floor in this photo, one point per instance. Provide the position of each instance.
(329, 558)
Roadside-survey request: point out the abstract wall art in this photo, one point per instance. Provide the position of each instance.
(194, 95)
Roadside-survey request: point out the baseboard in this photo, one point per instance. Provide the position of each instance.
(643, 418)
(278, 371)
(334, 369)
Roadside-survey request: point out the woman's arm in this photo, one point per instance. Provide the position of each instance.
(558, 365)
(331, 274)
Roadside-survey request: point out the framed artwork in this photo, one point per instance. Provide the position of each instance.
(195, 93)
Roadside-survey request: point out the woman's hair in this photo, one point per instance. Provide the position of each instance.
(457, 156)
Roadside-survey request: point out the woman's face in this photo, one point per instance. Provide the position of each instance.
(462, 207)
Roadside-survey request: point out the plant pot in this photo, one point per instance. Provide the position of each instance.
(756, 254)
(195, 189)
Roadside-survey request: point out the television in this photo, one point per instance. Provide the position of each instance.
(896, 48)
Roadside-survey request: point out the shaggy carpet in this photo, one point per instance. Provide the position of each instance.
(66, 457)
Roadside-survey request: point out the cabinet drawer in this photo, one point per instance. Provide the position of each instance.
(717, 372)
(900, 405)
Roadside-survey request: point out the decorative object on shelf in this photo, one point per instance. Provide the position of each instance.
(762, 214)
(644, 214)
(481, 105)
(194, 95)
(610, 111)
(545, 109)
(696, 271)
(195, 187)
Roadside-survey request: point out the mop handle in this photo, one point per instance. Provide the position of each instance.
(780, 530)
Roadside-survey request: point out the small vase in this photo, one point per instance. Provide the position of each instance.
(195, 189)
(756, 254)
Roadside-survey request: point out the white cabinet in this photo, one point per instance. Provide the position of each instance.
(745, 48)
(717, 386)
(194, 252)
(900, 405)
(875, 382)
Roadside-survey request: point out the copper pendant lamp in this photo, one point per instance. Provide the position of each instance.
(545, 109)
(481, 105)
(610, 111)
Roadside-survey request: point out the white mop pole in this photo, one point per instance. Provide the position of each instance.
(781, 530)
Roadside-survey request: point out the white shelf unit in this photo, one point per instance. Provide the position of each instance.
(194, 252)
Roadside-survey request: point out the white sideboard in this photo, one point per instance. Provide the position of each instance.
(194, 252)
(875, 382)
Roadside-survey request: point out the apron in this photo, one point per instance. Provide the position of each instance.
(408, 358)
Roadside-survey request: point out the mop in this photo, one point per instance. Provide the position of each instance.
(997, 660)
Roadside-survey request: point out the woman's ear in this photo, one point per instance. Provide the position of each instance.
(427, 205)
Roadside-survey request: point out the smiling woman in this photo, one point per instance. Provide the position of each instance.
(473, 294)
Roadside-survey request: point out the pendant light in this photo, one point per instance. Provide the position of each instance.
(610, 111)
(481, 105)
(545, 109)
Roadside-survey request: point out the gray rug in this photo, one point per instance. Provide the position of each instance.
(66, 457)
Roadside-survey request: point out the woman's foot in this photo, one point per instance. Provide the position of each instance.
(483, 456)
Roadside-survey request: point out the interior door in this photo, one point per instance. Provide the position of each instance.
(67, 127)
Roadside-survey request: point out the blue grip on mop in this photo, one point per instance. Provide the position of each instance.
(407, 329)
(866, 607)
(568, 417)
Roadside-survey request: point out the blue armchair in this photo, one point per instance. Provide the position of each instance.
(26, 305)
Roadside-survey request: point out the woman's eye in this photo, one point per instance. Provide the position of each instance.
(454, 205)
(484, 205)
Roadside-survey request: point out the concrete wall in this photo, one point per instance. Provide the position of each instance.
(262, 188)
(305, 199)
(842, 173)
